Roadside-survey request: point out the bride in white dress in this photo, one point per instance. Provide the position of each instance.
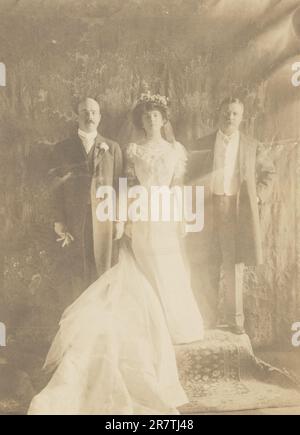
(114, 352)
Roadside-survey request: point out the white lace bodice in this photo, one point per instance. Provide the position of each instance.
(160, 165)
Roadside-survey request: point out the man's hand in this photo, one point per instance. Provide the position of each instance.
(64, 236)
(118, 230)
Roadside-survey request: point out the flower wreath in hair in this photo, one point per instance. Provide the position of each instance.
(158, 100)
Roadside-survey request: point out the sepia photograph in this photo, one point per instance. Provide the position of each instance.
(149, 209)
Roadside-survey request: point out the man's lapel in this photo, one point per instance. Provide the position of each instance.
(78, 148)
(243, 156)
(207, 156)
(98, 153)
(209, 164)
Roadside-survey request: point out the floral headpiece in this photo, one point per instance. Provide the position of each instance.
(158, 100)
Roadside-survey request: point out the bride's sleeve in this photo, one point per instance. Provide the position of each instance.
(180, 166)
(129, 170)
(179, 176)
(132, 180)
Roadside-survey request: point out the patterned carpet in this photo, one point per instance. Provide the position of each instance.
(222, 374)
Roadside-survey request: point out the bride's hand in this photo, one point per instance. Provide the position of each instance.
(118, 230)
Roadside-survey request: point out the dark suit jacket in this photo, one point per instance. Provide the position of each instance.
(76, 176)
(256, 182)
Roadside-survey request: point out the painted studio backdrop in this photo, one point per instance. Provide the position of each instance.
(194, 51)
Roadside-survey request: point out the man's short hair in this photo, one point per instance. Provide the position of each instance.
(231, 100)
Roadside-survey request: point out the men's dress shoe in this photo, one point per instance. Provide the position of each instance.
(238, 330)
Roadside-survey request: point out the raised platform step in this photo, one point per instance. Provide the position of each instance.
(221, 373)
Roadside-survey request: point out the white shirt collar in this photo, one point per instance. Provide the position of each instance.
(227, 139)
(87, 139)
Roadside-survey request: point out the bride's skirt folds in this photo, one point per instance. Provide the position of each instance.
(113, 353)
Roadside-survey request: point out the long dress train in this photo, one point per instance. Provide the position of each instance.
(114, 350)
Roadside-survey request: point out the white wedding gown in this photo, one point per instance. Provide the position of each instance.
(114, 350)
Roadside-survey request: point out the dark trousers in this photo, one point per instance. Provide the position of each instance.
(221, 253)
(83, 267)
(90, 270)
